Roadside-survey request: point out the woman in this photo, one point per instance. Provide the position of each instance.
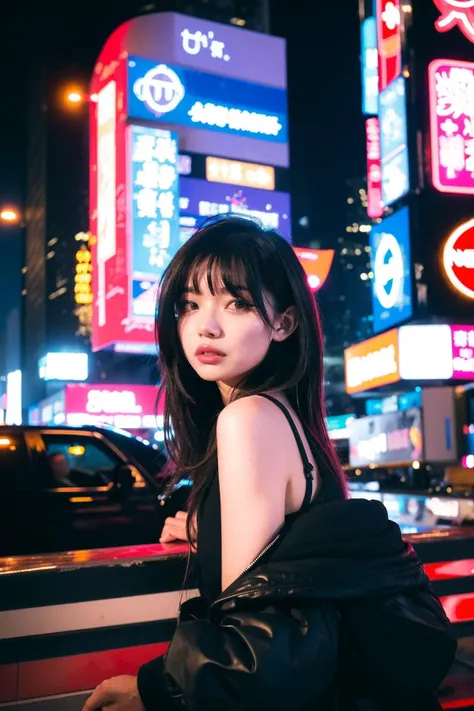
(308, 600)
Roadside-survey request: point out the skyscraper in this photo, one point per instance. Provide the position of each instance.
(57, 179)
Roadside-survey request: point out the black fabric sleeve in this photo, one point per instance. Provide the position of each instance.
(152, 687)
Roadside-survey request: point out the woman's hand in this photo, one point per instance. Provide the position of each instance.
(175, 529)
(117, 694)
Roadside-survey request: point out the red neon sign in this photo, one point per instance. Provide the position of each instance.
(456, 13)
(112, 324)
(451, 88)
(389, 42)
(374, 170)
(458, 258)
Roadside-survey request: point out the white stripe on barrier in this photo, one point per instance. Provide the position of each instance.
(75, 616)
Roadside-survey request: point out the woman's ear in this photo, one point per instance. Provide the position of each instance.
(285, 324)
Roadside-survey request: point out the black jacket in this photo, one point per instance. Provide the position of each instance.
(337, 615)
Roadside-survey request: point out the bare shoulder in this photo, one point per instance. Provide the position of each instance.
(245, 414)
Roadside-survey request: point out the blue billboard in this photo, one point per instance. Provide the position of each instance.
(155, 232)
(186, 97)
(394, 141)
(370, 67)
(391, 265)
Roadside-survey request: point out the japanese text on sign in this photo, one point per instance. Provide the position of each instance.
(451, 87)
(374, 171)
(456, 13)
(235, 172)
(83, 277)
(463, 351)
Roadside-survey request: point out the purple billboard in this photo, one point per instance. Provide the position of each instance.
(200, 199)
(209, 47)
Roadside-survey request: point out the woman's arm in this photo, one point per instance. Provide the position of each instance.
(253, 478)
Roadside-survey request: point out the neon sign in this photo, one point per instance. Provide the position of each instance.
(394, 142)
(200, 198)
(236, 172)
(160, 89)
(194, 42)
(155, 212)
(372, 363)
(456, 13)
(458, 259)
(374, 169)
(187, 97)
(451, 88)
(388, 41)
(316, 263)
(83, 277)
(391, 263)
(370, 67)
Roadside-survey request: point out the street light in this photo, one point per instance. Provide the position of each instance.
(10, 215)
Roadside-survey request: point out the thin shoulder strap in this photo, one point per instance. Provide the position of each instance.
(307, 466)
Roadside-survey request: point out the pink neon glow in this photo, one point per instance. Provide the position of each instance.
(105, 400)
(374, 173)
(389, 43)
(451, 87)
(456, 13)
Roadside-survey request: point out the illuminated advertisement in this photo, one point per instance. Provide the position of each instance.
(436, 352)
(370, 67)
(388, 41)
(83, 277)
(155, 211)
(64, 366)
(451, 88)
(458, 259)
(456, 13)
(129, 407)
(162, 92)
(372, 363)
(394, 142)
(228, 86)
(339, 426)
(316, 263)
(374, 168)
(235, 172)
(381, 440)
(199, 198)
(391, 285)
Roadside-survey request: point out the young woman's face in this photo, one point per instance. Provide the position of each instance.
(223, 338)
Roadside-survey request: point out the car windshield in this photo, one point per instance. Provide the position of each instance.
(153, 460)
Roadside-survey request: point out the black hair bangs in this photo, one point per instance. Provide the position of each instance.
(227, 263)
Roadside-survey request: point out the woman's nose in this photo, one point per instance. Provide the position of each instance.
(209, 325)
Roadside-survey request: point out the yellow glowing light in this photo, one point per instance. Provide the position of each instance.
(74, 97)
(81, 499)
(9, 215)
(416, 465)
(4, 442)
(77, 451)
(449, 258)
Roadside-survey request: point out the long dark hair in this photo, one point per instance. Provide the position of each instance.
(236, 251)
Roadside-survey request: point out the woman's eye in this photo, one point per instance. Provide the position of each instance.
(186, 306)
(240, 305)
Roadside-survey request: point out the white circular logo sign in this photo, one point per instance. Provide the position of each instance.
(388, 271)
(160, 89)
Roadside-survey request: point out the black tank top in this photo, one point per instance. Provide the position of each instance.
(209, 551)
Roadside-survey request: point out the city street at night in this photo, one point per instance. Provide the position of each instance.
(209, 208)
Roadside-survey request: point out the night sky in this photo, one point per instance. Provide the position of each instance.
(326, 127)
